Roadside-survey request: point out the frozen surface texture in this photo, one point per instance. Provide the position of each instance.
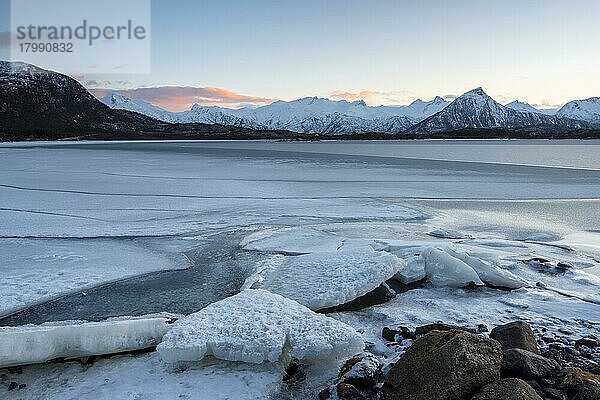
(328, 279)
(145, 377)
(32, 344)
(76, 215)
(256, 326)
(413, 271)
(35, 270)
(292, 241)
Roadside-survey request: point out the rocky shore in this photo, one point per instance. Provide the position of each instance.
(446, 362)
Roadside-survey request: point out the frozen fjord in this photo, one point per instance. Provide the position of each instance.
(161, 199)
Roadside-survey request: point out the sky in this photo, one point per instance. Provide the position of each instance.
(236, 53)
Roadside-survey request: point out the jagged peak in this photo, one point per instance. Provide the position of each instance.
(359, 103)
(517, 102)
(417, 101)
(478, 91)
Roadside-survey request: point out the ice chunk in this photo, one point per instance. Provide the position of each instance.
(291, 241)
(444, 270)
(413, 271)
(255, 326)
(30, 344)
(328, 279)
(488, 273)
(447, 234)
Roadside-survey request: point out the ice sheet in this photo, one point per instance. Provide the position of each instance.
(328, 279)
(34, 270)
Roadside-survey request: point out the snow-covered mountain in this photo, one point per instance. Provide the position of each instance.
(306, 115)
(475, 109)
(119, 102)
(35, 101)
(584, 110)
(524, 107)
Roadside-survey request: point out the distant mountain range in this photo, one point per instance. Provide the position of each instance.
(307, 115)
(36, 103)
(474, 109)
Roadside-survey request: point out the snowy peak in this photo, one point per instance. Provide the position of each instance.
(475, 92)
(585, 110)
(120, 102)
(115, 100)
(476, 96)
(475, 109)
(523, 107)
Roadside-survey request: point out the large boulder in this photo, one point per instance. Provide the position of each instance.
(581, 385)
(507, 389)
(519, 363)
(449, 365)
(515, 335)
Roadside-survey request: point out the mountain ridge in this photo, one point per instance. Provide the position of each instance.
(36, 103)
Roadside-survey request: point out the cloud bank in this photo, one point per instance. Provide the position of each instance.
(179, 98)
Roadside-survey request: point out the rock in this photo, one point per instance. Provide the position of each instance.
(293, 372)
(346, 391)
(546, 382)
(561, 352)
(589, 341)
(450, 365)
(324, 394)
(507, 389)
(519, 363)
(22, 386)
(581, 385)
(515, 335)
(482, 328)
(402, 331)
(554, 394)
(440, 326)
(12, 386)
(362, 371)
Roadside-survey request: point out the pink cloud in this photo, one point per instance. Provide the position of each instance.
(343, 95)
(177, 98)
